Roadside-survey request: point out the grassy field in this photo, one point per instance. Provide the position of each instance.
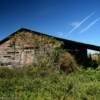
(32, 83)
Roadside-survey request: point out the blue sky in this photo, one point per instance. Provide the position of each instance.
(77, 20)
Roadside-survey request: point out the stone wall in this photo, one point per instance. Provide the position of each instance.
(23, 47)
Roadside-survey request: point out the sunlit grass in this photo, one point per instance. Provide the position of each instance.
(31, 83)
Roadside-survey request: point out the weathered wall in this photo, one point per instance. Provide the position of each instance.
(23, 47)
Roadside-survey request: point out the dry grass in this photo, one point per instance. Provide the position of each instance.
(67, 62)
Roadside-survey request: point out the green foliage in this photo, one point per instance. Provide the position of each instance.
(44, 81)
(27, 83)
(6, 72)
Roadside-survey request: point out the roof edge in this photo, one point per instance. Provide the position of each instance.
(88, 46)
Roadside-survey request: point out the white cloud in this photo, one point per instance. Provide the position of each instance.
(60, 33)
(81, 22)
(90, 25)
(74, 24)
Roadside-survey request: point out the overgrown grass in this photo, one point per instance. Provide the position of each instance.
(33, 83)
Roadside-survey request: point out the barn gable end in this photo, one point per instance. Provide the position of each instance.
(22, 47)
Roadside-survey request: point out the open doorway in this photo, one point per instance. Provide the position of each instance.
(93, 58)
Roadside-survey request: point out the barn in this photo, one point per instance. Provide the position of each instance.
(23, 46)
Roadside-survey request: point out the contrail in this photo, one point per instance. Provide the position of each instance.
(90, 25)
(85, 19)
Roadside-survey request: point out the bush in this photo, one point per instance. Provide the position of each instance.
(6, 72)
(83, 84)
(67, 62)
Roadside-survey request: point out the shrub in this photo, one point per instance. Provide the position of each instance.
(6, 72)
(67, 62)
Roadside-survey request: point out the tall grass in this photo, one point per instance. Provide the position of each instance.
(31, 83)
(50, 80)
